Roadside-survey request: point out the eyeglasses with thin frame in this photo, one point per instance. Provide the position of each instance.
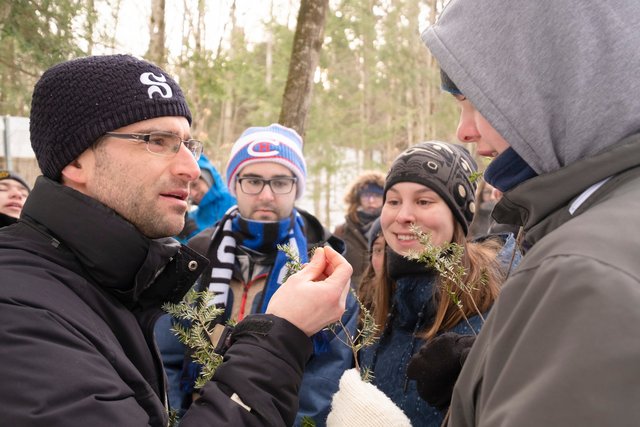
(254, 185)
(162, 143)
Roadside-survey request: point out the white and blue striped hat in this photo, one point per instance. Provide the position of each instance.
(274, 143)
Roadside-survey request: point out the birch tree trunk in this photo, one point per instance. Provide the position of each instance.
(305, 56)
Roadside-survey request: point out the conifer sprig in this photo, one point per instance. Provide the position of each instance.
(475, 176)
(293, 264)
(364, 337)
(446, 259)
(197, 310)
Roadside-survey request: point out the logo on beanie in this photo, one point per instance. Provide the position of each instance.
(263, 148)
(157, 85)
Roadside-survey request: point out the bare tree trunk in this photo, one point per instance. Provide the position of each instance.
(269, 53)
(157, 51)
(409, 102)
(432, 69)
(200, 31)
(317, 185)
(232, 13)
(5, 12)
(229, 103)
(305, 56)
(198, 50)
(327, 200)
(115, 14)
(90, 25)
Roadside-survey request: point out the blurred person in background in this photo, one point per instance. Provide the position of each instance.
(209, 199)
(376, 247)
(13, 193)
(364, 202)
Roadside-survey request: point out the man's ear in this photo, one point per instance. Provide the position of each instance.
(77, 173)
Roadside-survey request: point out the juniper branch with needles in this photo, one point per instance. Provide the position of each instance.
(173, 418)
(475, 176)
(446, 259)
(196, 308)
(364, 337)
(293, 264)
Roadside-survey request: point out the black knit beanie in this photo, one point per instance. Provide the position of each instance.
(76, 102)
(445, 168)
(373, 233)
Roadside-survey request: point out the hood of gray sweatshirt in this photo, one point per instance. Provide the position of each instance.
(557, 79)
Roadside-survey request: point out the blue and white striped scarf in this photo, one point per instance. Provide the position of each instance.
(259, 236)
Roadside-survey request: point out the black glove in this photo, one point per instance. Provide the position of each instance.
(437, 365)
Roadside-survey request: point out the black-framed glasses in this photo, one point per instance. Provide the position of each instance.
(162, 143)
(254, 185)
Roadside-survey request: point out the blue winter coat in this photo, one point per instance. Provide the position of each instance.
(212, 207)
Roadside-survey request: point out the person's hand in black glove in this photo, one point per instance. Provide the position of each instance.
(436, 367)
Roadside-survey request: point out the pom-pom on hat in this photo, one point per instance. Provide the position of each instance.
(444, 168)
(76, 102)
(274, 143)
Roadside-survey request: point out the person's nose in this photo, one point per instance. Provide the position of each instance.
(185, 165)
(266, 193)
(405, 214)
(15, 193)
(467, 130)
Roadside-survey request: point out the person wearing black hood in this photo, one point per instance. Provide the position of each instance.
(13, 193)
(550, 90)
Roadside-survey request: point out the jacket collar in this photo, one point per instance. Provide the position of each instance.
(7, 220)
(541, 204)
(110, 251)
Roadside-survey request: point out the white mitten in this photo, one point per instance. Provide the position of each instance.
(359, 404)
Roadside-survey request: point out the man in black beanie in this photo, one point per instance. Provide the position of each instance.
(85, 270)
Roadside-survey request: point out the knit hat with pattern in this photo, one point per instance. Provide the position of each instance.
(446, 169)
(274, 143)
(76, 102)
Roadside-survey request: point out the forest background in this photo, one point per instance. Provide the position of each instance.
(365, 86)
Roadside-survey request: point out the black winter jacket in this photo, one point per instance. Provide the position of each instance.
(80, 290)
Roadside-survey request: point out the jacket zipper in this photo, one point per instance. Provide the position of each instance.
(245, 295)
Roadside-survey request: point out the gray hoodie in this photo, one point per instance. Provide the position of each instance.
(558, 79)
